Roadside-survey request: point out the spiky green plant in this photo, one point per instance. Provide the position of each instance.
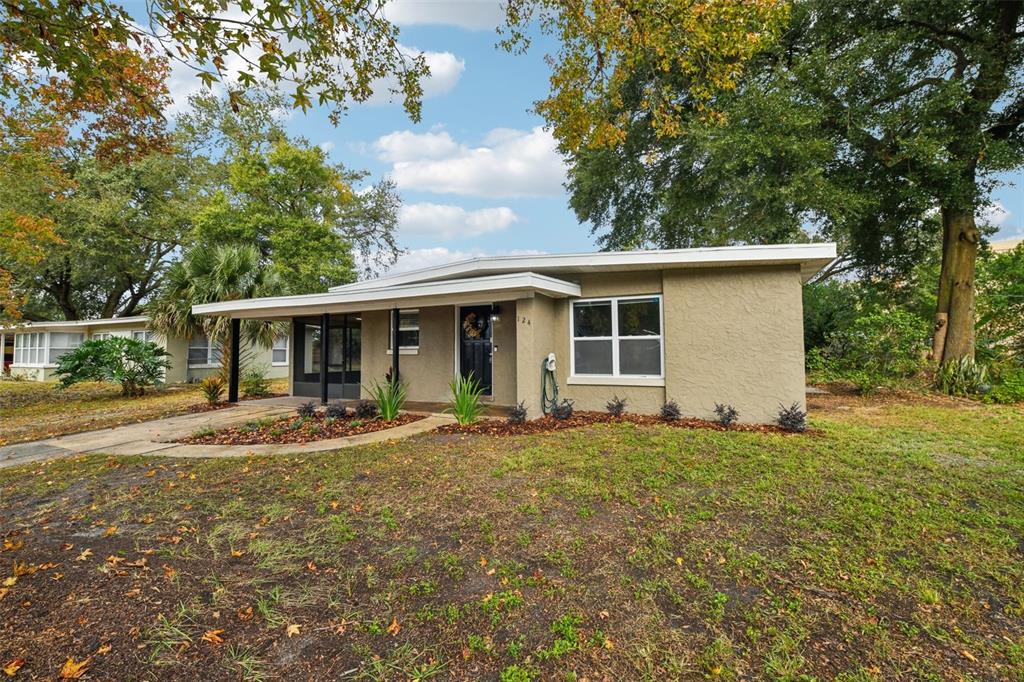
(467, 404)
(390, 398)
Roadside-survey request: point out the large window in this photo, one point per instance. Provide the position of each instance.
(63, 342)
(29, 348)
(201, 353)
(408, 331)
(44, 348)
(279, 352)
(617, 337)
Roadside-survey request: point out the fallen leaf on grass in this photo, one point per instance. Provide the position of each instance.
(24, 568)
(237, 552)
(86, 553)
(109, 531)
(245, 614)
(213, 636)
(969, 656)
(114, 560)
(9, 582)
(72, 669)
(394, 628)
(13, 666)
(13, 545)
(169, 572)
(104, 649)
(4, 591)
(292, 630)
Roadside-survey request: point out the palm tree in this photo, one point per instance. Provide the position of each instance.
(208, 275)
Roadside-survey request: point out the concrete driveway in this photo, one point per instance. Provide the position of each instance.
(155, 437)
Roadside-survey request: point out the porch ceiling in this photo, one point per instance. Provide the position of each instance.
(449, 292)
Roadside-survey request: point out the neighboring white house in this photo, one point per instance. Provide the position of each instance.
(32, 349)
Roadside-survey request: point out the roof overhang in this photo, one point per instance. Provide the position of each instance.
(449, 292)
(809, 257)
(79, 324)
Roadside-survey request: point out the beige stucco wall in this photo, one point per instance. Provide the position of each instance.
(734, 336)
(428, 372)
(731, 335)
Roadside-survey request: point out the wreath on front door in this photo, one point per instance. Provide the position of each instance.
(470, 326)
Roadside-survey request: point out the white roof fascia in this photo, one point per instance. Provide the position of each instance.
(65, 324)
(815, 255)
(512, 285)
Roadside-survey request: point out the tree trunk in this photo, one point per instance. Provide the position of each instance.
(955, 338)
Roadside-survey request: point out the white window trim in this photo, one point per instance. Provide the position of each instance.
(615, 378)
(287, 349)
(45, 348)
(209, 364)
(403, 350)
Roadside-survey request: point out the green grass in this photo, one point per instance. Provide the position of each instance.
(888, 545)
(34, 410)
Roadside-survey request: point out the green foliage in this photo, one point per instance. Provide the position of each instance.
(389, 397)
(962, 377)
(1010, 387)
(334, 52)
(212, 388)
(254, 383)
(132, 363)
(467, 404)
(879, 346)
(1000, 285)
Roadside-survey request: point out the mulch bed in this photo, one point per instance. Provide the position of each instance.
(297, 429)
(502, 427)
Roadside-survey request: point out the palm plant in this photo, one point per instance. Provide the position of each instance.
(208, 275)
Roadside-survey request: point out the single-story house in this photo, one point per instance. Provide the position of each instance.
(31, 349)
(697, 326)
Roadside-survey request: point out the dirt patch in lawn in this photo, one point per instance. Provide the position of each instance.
(546, 424)
(296, 429)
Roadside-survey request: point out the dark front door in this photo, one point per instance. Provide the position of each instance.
(475, 347)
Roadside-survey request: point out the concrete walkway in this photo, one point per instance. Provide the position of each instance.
(155, 437)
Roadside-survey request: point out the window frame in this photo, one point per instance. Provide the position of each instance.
(616, 377)
(287, 348)
(147, 335)
(210, 362)
(42, 351)
(418, 328)
(101, 336)
(50, 347)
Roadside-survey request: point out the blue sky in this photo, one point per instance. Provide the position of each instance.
(478, 174)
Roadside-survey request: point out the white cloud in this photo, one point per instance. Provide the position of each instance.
(445, 71)
(475, 15)
(406, 145)
(423, 258)
(445, 221)
(994, 214)
(327, 146)
(510, 163)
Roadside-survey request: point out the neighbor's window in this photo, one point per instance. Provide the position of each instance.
(142, 335)
(29, 348)
(102, 336)
(61, 343)
(408, 330)
(201, 352)
(279, 352)
(617, 337)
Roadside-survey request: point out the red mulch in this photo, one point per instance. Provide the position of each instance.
(290, 430)
(499, 427)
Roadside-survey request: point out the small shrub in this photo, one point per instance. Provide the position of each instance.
(962, 377)
(365, 409)
(204, 432)
(336, 410)
(792, 418)
(132, 363)
(390, 397)
(255, 383)
(307, 409)
(670, 411)
(212, 388)
(517, 414)
(1010, 388)
(726, 415)
(467, 404)
(562, 410)
(616, 406)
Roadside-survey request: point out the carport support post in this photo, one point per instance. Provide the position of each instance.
(236, 332)
(325, 329)
(394, 345)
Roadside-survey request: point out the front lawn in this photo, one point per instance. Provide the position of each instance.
(32, 410)
(888, 546)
